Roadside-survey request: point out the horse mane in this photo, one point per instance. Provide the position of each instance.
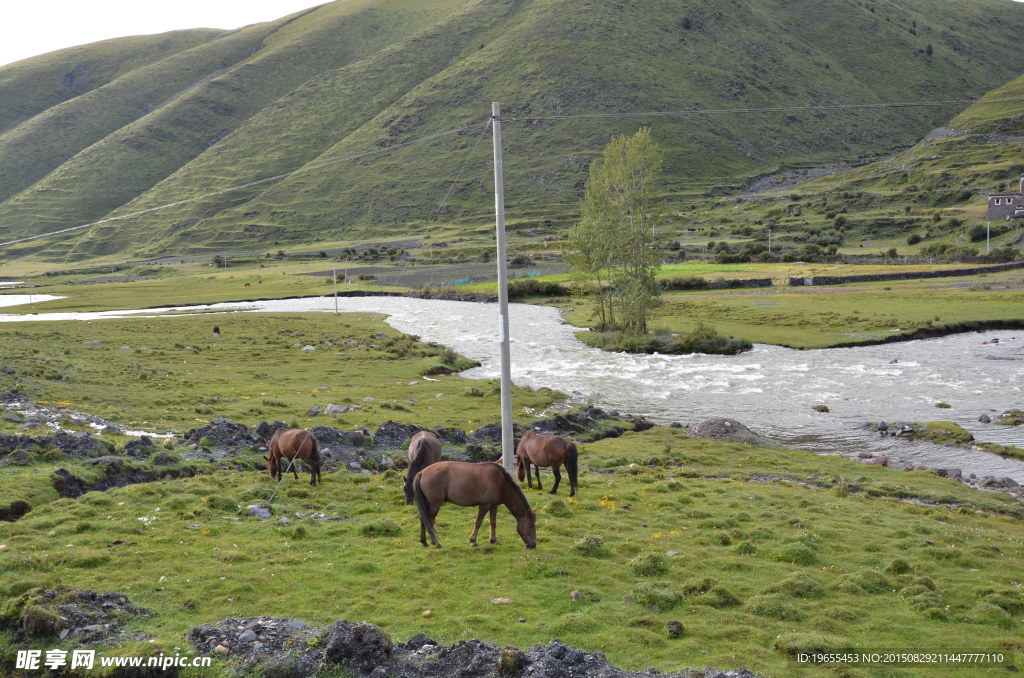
(515, 486)
(416, 464)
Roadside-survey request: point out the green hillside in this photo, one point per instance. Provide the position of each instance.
(353, 78)
(917, 201)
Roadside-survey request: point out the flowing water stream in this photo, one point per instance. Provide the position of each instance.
(770, 389)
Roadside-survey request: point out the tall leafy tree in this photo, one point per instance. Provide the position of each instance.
(613, 253)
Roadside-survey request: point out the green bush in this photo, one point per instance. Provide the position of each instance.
(656, 593)
(797, 553)
(648, 564)
(774, 607)
(592, 546)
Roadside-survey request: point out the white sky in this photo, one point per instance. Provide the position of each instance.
(32, 27)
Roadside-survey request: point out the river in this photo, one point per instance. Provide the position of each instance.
(770, 389)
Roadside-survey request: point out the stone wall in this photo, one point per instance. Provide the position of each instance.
(909, 275)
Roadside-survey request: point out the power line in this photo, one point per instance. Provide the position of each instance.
(466, 128)
(766, 109)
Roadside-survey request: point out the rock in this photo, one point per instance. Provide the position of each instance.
(985, 419)
(1009, 482)
(313, 411)
(247, 636)
(882, 426)
(362, 647)
(675, 629)
(260, 510)
(575, 596)
(880, 461)
(222, 649)
(730, 429)
(427, 613)
(308, 348)
(502, 601)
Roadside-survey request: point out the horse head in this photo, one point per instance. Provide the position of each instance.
(526, 526)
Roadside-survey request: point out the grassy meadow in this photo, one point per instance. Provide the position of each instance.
(759, 552)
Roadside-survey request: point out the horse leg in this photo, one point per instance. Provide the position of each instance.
(558, 478)
(481, 512)
(295, 467)
(536, 469)
(494, 515)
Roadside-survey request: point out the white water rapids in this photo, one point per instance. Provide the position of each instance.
(770, 389)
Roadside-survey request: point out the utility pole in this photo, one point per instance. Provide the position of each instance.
(334, 268)
(988, 235)
(507, 437)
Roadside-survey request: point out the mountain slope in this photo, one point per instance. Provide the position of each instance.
(440, 66)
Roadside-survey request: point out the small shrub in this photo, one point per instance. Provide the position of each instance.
(820, 408)
(774, 607)
(943, 406)
(719, 596)
(798, 586)
(558, 508)
(796, 553)
(898, 566)
(746, 549)
(695, 587)
(656, 593)
(219, 503)
(592, 546)
(648, 564)
(872, 581)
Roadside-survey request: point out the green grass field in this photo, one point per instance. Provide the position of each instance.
(759, 552)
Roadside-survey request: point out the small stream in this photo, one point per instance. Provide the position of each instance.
(770, 389)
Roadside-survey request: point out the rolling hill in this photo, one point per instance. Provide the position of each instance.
(376, 106)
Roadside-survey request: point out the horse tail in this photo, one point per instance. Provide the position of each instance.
(520, 468)
(571, 456)
(424, 508)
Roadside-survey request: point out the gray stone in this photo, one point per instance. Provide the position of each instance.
(260, 510)
(247, 636)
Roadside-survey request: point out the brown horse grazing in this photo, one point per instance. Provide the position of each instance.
(424, 450)
(291, 444)
(467, 484)
(541, 450)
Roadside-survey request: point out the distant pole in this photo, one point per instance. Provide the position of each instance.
(988, 235)
(334, 268)
(507, 437)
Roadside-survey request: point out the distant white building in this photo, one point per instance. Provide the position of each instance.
(1006, 206)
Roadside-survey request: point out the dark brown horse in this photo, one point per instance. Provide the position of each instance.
(467, 484)
(293, 444)
(538, 450)
(424, 450)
